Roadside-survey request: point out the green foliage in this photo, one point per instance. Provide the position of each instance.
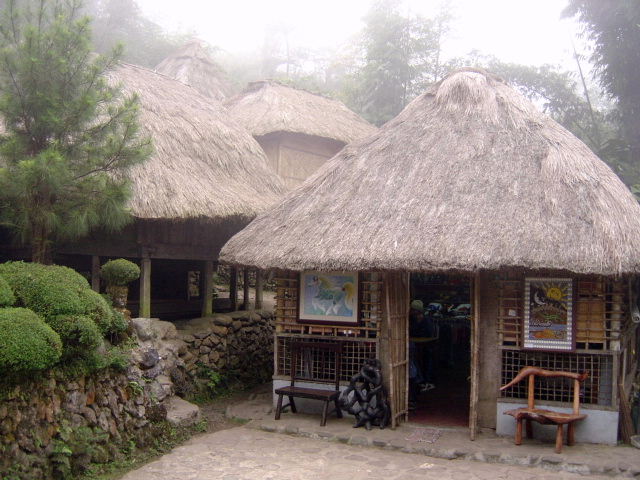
(71, 445)
(47, 290)
(119, 272)
(80, 335)
(69, 134)
(613, 29)
(211, 384)
(6, 294)
(79, 316)
(121, 21)
(26, 342)
(135, 388)
(401, 54)
(105, 317)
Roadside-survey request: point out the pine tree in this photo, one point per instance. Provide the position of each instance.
(70, 136)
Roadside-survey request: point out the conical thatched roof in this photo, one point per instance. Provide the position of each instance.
(268, 106)
(204, 164)
(469, 176)
(193, 66)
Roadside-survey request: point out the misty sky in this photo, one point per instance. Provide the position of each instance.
(523, 31)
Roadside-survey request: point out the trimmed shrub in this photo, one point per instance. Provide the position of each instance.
(98, 310)
(6, 295)
(80, 335)
(48, 290)
(119, 324)
(119, 272)
(26, 342)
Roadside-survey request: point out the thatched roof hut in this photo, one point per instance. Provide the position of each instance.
(204, 164)
(469, 176)
(193, 66)
(268, 106)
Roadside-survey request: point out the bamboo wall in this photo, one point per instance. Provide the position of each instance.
(603, 333)
(360, 341)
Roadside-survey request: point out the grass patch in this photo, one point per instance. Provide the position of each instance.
(162, 438)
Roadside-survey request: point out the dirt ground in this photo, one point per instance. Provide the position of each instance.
(214, 411)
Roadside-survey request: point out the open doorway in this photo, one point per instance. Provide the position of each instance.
(439, 350)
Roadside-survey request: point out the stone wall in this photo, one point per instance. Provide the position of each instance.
(238, 345)
(50, 426)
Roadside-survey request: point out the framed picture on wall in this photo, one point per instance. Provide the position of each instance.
(328, 297)
(548, 314)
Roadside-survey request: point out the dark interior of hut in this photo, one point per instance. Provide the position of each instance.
(439, 350)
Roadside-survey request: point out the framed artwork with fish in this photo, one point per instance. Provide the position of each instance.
(548, 314)
(329, 297)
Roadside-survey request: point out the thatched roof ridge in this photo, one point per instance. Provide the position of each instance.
(469, 176)
(268, 106)
(193, 66)
(204, 164)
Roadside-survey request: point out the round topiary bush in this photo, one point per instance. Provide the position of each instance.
(48, 290)
(119, 272)
(26, 342)
(6, 294)
(79, 334)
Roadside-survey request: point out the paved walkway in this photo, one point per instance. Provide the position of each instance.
(297, 447)
(244, 453)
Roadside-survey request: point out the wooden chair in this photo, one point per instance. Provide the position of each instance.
(304, 357)
(547, 417)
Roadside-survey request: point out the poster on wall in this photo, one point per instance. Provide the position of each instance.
(548, 316)
(329, 297)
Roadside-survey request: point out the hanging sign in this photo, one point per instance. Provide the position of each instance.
(548, 315)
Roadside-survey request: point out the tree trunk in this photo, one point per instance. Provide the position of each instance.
(41, 246)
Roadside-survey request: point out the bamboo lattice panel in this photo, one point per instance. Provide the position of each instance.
(597, 388)
(360, 341)
(600, 312)
(370, 291)
(354, 353)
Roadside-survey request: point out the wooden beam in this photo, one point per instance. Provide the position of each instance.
(145, 288)
(233, 288)
(259, 288)
(95, 273)
(207, 297)
(475, 358)
(245, 289)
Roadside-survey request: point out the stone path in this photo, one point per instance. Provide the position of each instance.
(244, 453)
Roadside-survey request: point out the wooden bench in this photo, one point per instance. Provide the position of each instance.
(313, 362)
(546, 417)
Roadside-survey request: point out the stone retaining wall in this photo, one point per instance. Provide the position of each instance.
(50, 426)
(238, 344)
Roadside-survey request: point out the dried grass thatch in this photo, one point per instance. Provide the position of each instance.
(268, 106)
(193, 66)
(469, 176)
(204, 164)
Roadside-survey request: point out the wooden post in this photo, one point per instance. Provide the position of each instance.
(245, 289)
(475, 358)
(259, 288)
(95, 273)
(207, 298)
(145, 288)
(233, 288)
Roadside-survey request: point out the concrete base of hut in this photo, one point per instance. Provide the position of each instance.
(601, 426)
